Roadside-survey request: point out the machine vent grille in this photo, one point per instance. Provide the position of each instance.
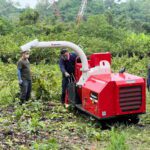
(130, 98)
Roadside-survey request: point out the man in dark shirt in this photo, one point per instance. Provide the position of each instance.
(67, 66)
(24, 76)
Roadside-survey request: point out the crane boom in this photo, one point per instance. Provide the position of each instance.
(81, 11)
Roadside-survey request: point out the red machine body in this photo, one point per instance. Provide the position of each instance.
(112, 94)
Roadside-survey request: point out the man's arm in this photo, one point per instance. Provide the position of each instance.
(19, 74)
(19, 67)
(62, 66)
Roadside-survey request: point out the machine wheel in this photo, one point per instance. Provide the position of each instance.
(130, 120)
(134, 120)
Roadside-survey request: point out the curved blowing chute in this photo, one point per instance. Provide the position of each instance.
(76, 48)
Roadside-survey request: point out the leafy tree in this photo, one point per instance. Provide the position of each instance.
(29, 16)
(8, 9)
(5, 26)
(109, 3)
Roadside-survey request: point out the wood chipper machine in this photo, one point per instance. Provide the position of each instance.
(100, 92)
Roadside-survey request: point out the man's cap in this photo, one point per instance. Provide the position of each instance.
(23, 51)
(25, 48)
(63, 51)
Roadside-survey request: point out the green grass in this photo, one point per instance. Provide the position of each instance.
(43, 125)
(117, 140)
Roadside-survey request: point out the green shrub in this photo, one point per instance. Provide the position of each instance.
(50, 144)
(117, 141)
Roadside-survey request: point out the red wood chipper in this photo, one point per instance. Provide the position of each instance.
(100, 92)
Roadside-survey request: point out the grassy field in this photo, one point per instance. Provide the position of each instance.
(47, 125)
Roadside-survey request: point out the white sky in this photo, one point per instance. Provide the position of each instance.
(25, 3)
(32, 3)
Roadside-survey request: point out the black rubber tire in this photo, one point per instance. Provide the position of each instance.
(134, 120)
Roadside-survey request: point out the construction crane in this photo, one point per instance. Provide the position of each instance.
(55, 9)
(81, 11)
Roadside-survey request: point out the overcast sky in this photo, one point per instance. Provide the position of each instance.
(31, 3)
(25, 3)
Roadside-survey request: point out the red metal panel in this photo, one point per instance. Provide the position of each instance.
(134, 101)
(78, 72)
(97, 57)
(105, 106)
(93, 61)
(107, 101)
